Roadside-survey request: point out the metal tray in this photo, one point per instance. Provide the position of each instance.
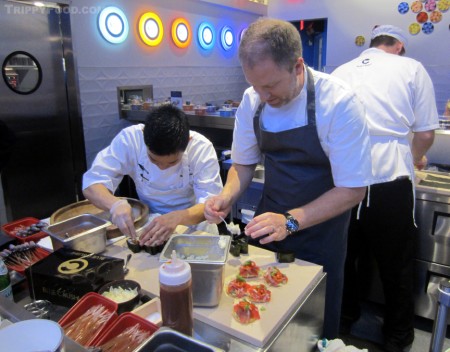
(203, 249)
(84, 232)
(140, 214)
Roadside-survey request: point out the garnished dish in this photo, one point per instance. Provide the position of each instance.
(249, 269)
(238, 287)
(274, 277)
(245, 312)
(258, 293)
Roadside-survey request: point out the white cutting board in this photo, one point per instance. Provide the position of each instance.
(302, 276)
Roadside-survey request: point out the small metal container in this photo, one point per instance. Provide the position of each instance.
(206, 255)
(86, 233)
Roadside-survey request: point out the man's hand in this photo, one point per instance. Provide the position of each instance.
(420, 164)
(121, 216)
(159, 230)
(270, 225)
(215, 208)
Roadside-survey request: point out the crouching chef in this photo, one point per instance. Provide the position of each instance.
(174, 169)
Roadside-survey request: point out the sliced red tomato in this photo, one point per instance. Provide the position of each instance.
(245, 312)
(274, 277)
(238, 287)
(249, 269)
(258, 293)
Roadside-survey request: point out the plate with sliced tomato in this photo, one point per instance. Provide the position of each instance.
(245, 312)
(249, 269)
(238, 287)
(274, 277)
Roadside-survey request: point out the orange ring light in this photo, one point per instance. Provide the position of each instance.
(181, 33)
(150, 29)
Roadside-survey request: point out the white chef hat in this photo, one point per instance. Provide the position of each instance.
(392, 31)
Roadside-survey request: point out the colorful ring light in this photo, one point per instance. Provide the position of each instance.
(150, 29)
(206, 35)
(181, 33)
(113, 25)
(226, 38)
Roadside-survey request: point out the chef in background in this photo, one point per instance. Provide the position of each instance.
(310, 129)
(399, 98)
(175, 170)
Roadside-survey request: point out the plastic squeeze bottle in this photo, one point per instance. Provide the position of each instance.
(175, 293)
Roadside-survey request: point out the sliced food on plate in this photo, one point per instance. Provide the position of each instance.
(249, 269)
(245, 312)
(258, 293)
(274, 277)
(238, 287)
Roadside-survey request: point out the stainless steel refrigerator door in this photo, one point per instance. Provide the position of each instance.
(38, 177)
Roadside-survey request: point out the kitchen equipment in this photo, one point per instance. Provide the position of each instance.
(206, 255)
(168, 340)
(109, 290)
(85, 233)
(432, 262)
(440, 323)
(139, 209)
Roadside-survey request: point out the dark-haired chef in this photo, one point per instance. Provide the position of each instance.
(310, 129)
(175, 170)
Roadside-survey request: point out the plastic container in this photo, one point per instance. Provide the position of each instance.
(175, 293)
(87, 301)
(124, 321)
(38, 254)
(12, 228)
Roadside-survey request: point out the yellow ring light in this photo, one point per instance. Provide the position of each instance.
(151, 29)
(181, 33)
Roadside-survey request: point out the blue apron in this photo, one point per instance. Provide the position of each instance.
(297, 171)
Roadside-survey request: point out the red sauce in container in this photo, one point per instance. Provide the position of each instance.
(175, 293)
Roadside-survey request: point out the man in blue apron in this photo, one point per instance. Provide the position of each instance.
(174, 169)
(308, 130)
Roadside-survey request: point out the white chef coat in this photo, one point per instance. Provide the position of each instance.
(399, 97)
(181, 186)
(340, 125)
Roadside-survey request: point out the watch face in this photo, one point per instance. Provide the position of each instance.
(292, 225)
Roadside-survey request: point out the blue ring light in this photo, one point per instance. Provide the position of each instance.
(226, 38)
(206, 35)
(113, 25)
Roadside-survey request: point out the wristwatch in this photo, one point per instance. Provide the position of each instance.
(292, 224)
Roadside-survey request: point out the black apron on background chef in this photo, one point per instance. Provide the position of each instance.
(297, 171)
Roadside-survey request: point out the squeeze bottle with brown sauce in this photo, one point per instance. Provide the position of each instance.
(175, 293)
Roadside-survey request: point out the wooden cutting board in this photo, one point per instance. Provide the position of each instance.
(302, 276)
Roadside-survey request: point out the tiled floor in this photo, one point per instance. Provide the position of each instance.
(366, 332)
